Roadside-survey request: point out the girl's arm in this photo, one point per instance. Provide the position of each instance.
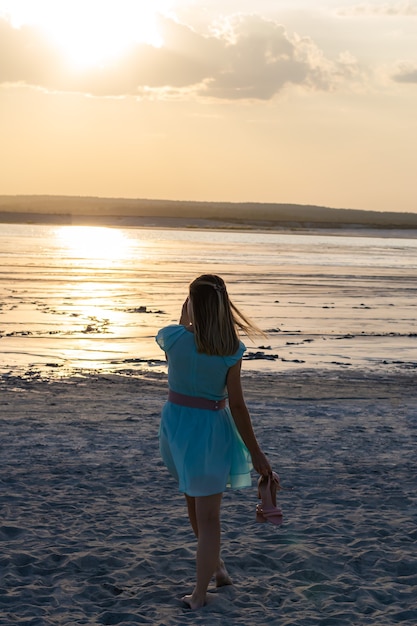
(243, 421)
(185, 315)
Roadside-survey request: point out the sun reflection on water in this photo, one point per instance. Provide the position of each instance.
(93, 300)
(95, 242)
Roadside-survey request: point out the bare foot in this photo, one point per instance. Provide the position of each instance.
(222, 576)
(193, 602)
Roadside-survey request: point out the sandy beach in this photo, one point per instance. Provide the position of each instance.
(93, 529)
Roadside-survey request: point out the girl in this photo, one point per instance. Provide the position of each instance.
(205, 444)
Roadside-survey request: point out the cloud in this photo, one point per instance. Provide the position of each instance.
(402, 8)
(243, 57)
(25, 56)
(257, 60)
(406, 73)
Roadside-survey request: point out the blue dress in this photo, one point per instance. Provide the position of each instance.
(201, 448)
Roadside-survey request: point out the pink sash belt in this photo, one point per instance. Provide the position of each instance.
(194, 402)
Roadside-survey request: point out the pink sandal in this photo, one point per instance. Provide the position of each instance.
(267, 493)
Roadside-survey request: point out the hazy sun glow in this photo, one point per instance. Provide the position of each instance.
(89, 32)
(95, 242)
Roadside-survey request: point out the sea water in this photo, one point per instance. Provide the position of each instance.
(88, 297)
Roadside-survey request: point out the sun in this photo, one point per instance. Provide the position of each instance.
(90, 32)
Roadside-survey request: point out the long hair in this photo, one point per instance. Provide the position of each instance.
(216, 319)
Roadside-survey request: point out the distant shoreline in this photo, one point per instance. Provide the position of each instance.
(39, 219)
(130, 213)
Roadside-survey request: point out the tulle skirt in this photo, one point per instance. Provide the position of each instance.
(203, 450)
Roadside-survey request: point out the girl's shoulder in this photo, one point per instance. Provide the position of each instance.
(167, 336)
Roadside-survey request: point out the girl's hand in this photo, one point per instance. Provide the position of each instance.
(260, 463)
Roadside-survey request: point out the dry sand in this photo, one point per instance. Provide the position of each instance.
(93, 530)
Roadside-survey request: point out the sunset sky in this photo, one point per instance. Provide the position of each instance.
(297, 101)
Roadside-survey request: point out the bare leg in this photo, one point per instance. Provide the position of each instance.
(207, 511)
(221, 574)
(192, 514)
